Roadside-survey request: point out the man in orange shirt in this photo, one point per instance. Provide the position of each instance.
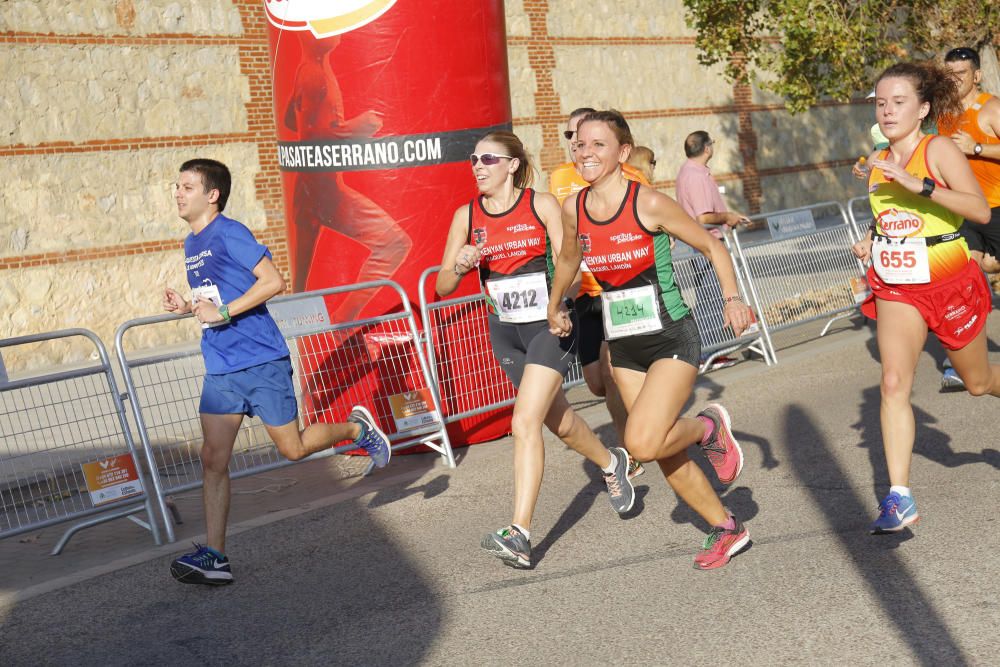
(976, 131)
(595, 359)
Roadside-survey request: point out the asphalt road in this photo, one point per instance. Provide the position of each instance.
(335, 569)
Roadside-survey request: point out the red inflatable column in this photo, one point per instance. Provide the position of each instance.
(378, 104)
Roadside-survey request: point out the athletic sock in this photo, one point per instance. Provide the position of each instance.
(611, 466)
(709, 429)
(361, 432)
(524, 532)
(901, 490)
(728, 524)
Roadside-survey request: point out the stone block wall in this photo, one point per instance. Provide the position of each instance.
(101, 101)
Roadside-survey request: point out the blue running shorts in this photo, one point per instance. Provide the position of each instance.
(264, 390)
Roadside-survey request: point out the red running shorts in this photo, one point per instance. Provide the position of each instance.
(955, 308)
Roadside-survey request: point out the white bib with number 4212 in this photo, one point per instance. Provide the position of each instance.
(901, 261)
(520, 299)
(630, 312)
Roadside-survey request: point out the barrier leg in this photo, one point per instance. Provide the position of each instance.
(99, 520)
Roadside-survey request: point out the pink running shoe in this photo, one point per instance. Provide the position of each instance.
(723, 451)
(720, 546)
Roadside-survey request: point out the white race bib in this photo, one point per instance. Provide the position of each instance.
(210, 292)
(520, 299)
(630, 312)
(901, 261)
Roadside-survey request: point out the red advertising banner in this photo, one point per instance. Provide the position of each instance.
(378, 104)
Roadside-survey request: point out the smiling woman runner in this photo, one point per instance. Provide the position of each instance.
(922, 277)
(510, 231)
(624, 231)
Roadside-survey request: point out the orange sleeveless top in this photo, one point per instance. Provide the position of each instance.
(987, 171)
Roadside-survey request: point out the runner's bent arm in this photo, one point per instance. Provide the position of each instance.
(961, 194)
(989, 122)
(269, 283)
(658, 212)
(567, 265)
(459, 257)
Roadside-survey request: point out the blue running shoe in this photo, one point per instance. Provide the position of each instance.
(895, 513)
(372, 439)
(204, 565)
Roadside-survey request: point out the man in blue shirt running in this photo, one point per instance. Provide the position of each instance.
(248, 370)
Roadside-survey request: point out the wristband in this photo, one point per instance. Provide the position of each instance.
(929, 186)
(732, 299)
(224, 312)
(457, 272)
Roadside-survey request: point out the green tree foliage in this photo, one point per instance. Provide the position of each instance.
(805, 50)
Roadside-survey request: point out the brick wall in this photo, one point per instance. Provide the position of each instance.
(103, 99)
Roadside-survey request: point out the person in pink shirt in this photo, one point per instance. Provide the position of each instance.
(698, 194)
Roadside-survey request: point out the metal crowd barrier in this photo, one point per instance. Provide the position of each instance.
(859, 212)
(469, 379)
(66, 451)
(700, 289)
(376, 362)
(800, 267)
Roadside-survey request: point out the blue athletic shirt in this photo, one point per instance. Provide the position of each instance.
(224, 254)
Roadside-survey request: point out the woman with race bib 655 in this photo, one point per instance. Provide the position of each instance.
(922, 277)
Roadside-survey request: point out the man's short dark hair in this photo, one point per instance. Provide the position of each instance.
(214, 176)
(963, 53)
(582, 111)
(696, 143)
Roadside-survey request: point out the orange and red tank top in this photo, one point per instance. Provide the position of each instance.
(901, 213)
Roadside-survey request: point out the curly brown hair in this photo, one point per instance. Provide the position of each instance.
(934, 84)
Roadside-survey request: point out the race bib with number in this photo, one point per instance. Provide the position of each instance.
(901, 261)
(211, 293)
(520, 299)
(629, 312)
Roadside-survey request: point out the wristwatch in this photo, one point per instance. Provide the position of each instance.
(978, 149)
(224, 312)
(929, 186)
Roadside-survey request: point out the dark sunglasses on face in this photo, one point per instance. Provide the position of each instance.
(489, 159)
(569, 134)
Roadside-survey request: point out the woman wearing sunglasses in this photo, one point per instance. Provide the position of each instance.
(510, 232)
(624, 232)
(922, 276)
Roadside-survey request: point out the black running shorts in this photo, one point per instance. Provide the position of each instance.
(677, 340)
(517, 345)
(984, 238)
(590, 324)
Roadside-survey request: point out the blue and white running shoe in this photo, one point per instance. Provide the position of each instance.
(895, 513)
(372, 439)
(204, 565)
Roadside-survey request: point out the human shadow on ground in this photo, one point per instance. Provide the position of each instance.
(429, 489)
(306, 592)
(911, 614)
(737, 499)
(929, 442)
(580, 505)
